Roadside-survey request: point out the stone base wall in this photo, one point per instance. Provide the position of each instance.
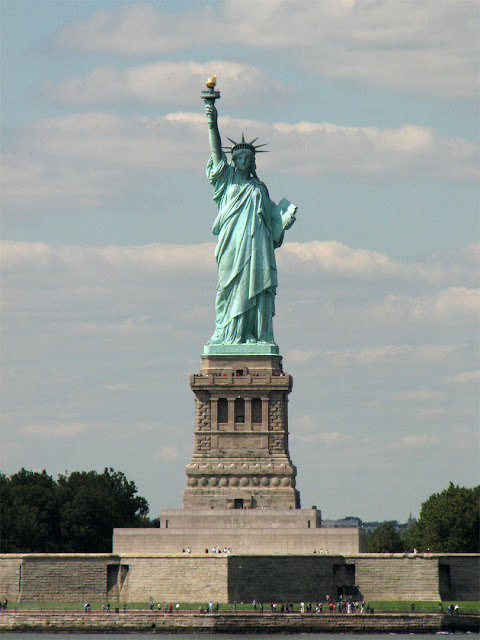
(186, 579)
(241, 540)
(281, 579)
(397, 576)
(146, 622)
(225, 577)
(51, 577)
(239, 518)
(10, 576)
(459, 577)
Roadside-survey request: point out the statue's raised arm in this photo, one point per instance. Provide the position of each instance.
(213, 132)
(249, 227)
(209, 96)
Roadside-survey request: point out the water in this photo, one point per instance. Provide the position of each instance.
(217, 636)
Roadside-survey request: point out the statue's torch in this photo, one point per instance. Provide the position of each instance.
(210, 95)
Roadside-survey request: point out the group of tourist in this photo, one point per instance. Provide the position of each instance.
(106, 608)
(339, 606)
(454, 609)
(347, 606)
(167, 607)
(213, 550)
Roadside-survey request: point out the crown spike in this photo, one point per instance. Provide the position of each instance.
(249, 146)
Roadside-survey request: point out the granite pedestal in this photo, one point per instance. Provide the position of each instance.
(241, 483)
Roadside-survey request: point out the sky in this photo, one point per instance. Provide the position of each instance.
(370, 112)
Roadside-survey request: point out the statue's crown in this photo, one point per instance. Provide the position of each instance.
(245, 145)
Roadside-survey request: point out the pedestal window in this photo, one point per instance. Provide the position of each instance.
(222, 411)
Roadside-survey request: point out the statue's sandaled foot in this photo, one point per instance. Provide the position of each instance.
(250, 339)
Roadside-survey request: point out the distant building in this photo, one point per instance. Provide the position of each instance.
(369, 527)
(343, 523)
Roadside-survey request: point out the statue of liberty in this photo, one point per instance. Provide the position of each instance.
(249, 227)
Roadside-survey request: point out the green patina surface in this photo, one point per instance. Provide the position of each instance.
(249, 226)
(241, 349)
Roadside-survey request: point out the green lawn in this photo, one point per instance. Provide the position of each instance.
(389, 606)
(424, 607)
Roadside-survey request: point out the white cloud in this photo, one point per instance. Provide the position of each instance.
(336, 257)
(419, 440)
(120, 327)
(163, 295)
(431, 413)
(166, 83)
(427, 48)
(301, 356)
(38, 181)
(368, 152)
(168, 453)
(373, 356)
(339, 259)
(464, 377)
(120, 387)
(137, 29)
(325, 438)
(56, 428)
(455, 304)
(58, 287)
(320, 258)
(85, 159)
(467, 439)
(418, 395)
(42, 431)
(118, 261)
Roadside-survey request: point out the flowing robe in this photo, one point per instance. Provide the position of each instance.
(249, 228)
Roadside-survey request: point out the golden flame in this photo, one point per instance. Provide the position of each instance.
(211, 82)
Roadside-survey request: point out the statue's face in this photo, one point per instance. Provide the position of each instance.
(244, 160)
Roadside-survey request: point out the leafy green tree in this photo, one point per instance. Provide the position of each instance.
(75, 514)
(93, 504)
(29, 513)
(385, 539)
(449, 522)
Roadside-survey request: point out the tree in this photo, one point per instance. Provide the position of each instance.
(29, 513)
(385, 539)
(93, 504)
(449, 522)
(77, 513)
